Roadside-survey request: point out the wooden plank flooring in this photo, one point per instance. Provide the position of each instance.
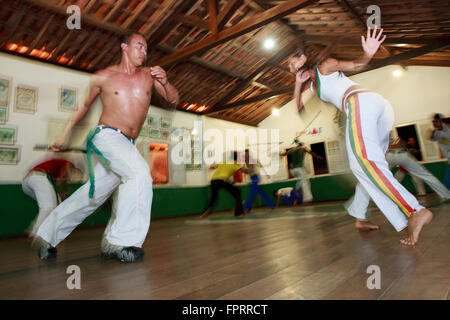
(310, 252)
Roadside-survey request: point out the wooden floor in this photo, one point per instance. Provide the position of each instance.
(310, 252)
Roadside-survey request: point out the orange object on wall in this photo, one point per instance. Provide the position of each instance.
(158, 162)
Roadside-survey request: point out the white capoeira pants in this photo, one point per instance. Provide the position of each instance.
(37, 186)
(369, 121)
(130, 219)
(417, 171)
(302, 183)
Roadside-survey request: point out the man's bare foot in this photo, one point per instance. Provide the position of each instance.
(366, 225)
(415, 224)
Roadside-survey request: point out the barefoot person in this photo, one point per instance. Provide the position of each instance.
(369, 121)
(125, 91)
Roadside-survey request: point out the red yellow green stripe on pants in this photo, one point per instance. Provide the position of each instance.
(369, 122)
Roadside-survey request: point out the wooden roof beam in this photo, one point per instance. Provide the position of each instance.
(136, 13)
(39, 36)
(192, 21)
(227, 13)
(357, 40)
(115, 8)
(14, 25)
(203, 63)
(212, 15)
(88, 43)
(377, 64)
(280, 56)
(170, 22)
(157, 16)
(248, 123)
(361, 21)
(237, 30)
(407, 55)
(284, 22)
(260, 97)
(85, 18)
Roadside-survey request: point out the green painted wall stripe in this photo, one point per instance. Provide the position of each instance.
(18, 210)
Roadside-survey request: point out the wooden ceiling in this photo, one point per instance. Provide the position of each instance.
(212, 49)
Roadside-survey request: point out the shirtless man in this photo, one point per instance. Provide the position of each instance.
(125, 91)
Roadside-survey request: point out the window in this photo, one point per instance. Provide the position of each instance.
(409, 135)
(320, 165)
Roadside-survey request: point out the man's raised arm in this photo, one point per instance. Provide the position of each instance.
(163, 86)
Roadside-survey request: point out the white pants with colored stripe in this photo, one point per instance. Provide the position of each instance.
(130, 219)
(37, 186)
(369, 121)
(302, 183)
(417, 171)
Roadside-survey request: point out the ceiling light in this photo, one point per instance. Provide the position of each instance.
(397, 73)
(269, 43)
(275, 112)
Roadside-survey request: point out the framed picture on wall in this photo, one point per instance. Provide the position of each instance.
(144, 131)
(5, 90)
(8, 135)
(166, 124)
(25, 99)
(154, 121)
(67, 99)
(9, 155)
(154, 133)
(3, 115)
(165, 134)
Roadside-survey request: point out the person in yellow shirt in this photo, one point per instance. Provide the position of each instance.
(219, 180)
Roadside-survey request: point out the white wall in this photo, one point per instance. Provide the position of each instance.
(179, 119)
(48, 121)
(222, 126)
(258, 140)
(419, 92)
(34, 128)
(415, 95)
(41, 127)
